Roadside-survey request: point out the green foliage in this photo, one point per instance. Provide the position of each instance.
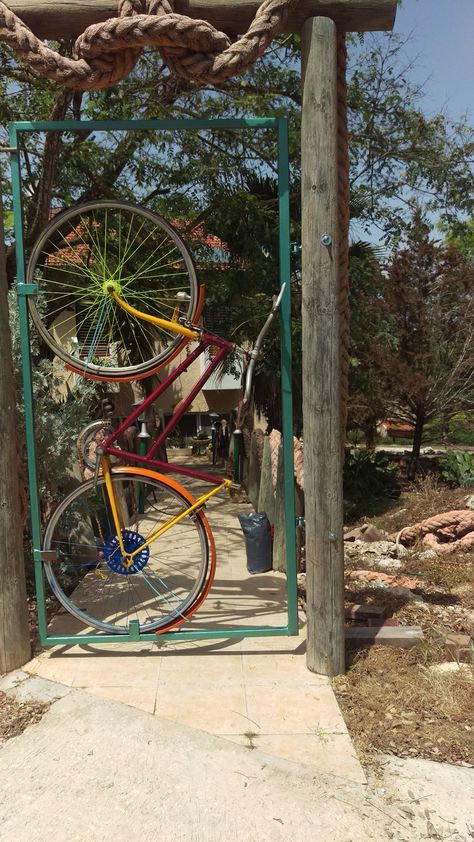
(370, 331)
(427, 369)
(461, 428)
(60, 413)
(224, 183)
(461, 235)
(457, 467)
(398, 153)
(457, 428)
(370, 482)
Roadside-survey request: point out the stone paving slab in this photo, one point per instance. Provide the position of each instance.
(233, 687)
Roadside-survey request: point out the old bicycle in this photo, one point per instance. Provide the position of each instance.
(117, 297)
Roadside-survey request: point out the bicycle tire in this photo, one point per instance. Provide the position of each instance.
(164, 587)
(86, 438)
(80, 252)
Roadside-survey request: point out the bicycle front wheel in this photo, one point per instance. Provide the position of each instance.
(79, 254)
(169, 577)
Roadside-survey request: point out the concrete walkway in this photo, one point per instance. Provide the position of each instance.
(96, 770)
(256, 692)
(224, 741)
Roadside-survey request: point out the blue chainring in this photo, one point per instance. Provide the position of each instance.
(131, 541)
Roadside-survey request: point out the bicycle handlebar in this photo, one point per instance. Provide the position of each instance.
(255, 353)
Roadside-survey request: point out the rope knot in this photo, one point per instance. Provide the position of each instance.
(107, 52)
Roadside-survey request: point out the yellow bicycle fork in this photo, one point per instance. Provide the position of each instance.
(160, 530)
(174, 326)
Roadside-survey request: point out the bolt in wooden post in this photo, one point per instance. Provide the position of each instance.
(321, 354)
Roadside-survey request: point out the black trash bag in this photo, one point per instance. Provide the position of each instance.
(258, 541)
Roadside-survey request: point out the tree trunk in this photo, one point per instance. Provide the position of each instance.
(446, 420)
(417, 439)
(369, 427)
(15, 646)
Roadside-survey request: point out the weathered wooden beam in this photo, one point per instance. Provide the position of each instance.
(255, 470)
(68, 18)
(266, 497)
(321, 349)
(15, 646)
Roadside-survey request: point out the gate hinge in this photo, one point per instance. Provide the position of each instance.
(26, 289)
(45, 555)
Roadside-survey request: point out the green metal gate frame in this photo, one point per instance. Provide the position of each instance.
(24, 290)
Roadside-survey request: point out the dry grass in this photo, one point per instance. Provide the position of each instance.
(423, 499)
(16, 716)
(393, 703)
(449, 570)
(390, 698)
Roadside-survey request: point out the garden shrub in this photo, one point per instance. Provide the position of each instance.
(457, 468)
(370, 481)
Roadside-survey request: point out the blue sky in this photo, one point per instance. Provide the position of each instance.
(442, 43)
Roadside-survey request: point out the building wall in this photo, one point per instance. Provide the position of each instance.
(219, 398)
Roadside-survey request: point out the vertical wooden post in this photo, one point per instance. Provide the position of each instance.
(321, 354)
(14, 633)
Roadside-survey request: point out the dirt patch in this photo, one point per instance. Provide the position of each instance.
(423, 499)
(392, 699)
(394, 703)
(16, 716)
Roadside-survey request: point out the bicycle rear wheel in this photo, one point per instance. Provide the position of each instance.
(168, 580)
(79, 254)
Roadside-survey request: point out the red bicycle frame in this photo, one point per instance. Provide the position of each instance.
(107, 448)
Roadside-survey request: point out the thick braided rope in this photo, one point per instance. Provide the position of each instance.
(239, 56)
(343, 219)
(107, 52)
(459, 522)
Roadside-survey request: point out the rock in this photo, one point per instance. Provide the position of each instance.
(401, 551)
(389, 564)
(406, 593)
(396, 514)
(383, 554)
(459, 647)
(366, 533)
(470, 502)
(301, 580)
(427, 554)
(452, 666)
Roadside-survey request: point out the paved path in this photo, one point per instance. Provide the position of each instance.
(256, 692)
(96, 770)
(224, 741)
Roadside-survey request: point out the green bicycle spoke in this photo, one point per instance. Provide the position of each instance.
(86, 317)
(81, 267)
(163, 594)
(126, 254)
(141, 245)
(154, 258)
(139, 324)
(148, 266)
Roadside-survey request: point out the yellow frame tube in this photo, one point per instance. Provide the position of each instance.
(155, 320)
(104, 463)
(162, 529)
